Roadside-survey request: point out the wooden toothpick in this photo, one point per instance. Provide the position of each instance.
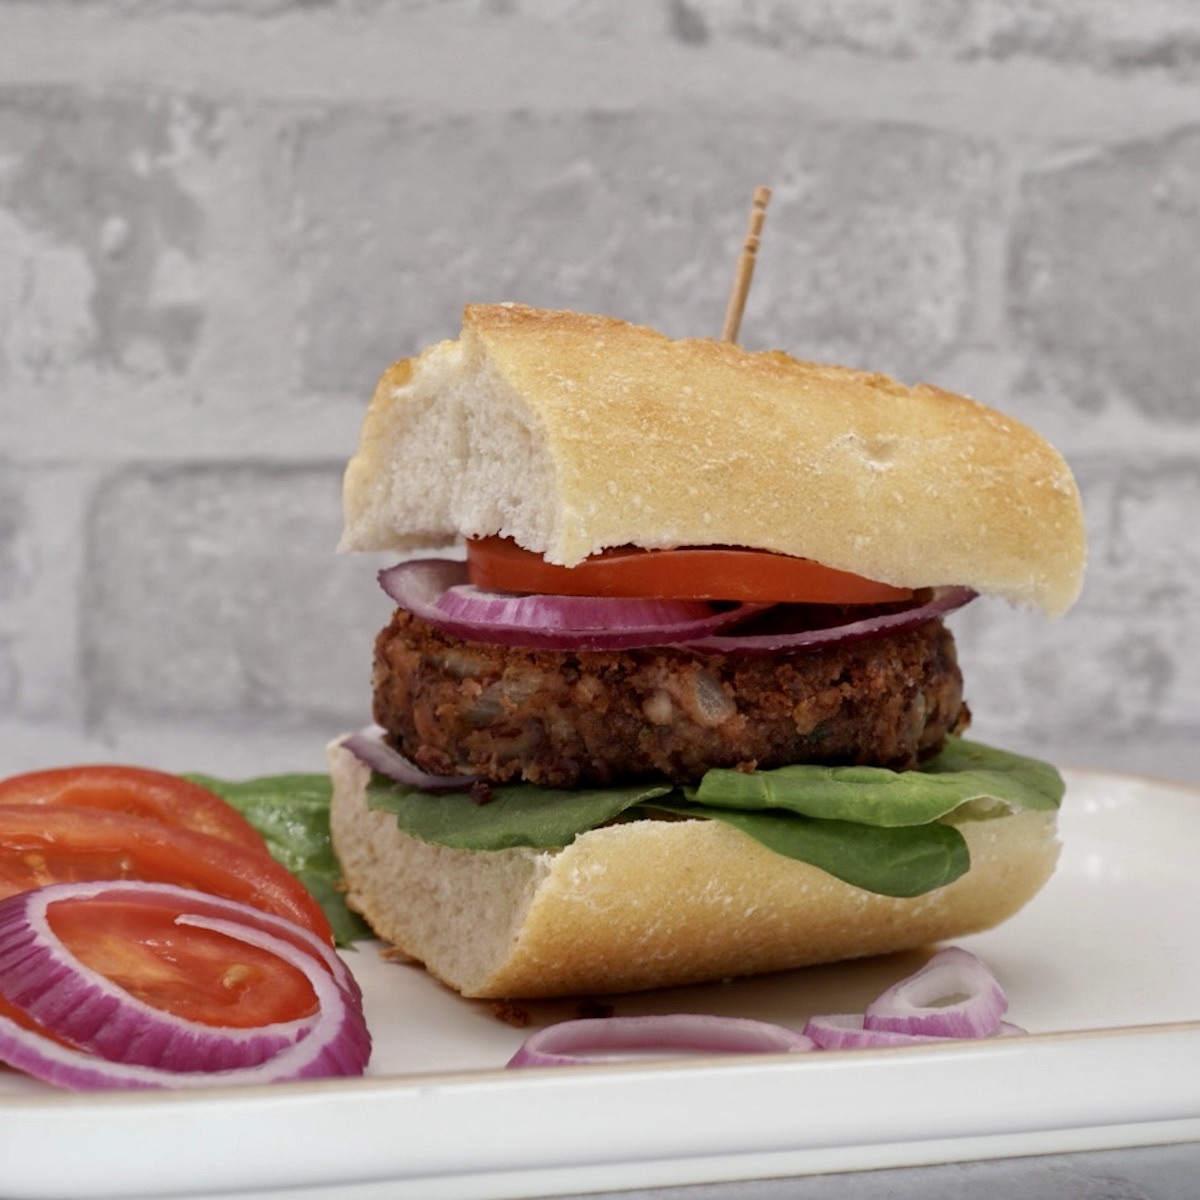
(745, 266)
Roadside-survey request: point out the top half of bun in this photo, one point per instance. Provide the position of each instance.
(571, 433)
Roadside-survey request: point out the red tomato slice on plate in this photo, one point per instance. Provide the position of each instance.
(688, 573)
(193, 973)
(137, 792)
(43, 844)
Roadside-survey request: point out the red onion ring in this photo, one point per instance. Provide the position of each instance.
(846, 1031)
(118, 1041)
(942, 601)
(436, 590)
(604, 1039)
(952, 995)
(568, 614)
(370, 749)
(910, 1003)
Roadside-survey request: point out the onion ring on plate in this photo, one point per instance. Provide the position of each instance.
(976, 1005)
(952, 995)
(846, 1031)
(594, 1040)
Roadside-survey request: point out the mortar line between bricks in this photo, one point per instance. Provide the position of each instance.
(301, 59)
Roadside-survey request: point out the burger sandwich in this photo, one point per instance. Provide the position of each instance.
(681, 703)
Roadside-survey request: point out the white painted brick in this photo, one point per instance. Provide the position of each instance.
(1106, 33)
(41, 582)
(1125, 662)
(869, 254)
(16, 570)
(144, 311)
(102, 180)
(216, 590)
(1106, 279)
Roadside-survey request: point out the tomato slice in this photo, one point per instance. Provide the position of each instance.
(687, 573)
(42, 844)
(137, 792)
(194, 973)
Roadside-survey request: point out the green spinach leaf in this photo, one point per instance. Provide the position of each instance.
(518, 815)
(903, 861)
(963, 773)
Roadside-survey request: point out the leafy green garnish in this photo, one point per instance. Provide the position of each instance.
(963, 772)
(1017, 780)
(516, 815)
(885, 831)
(892, 861)
(292, 814)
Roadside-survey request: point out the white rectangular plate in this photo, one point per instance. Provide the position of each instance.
(1101, 969)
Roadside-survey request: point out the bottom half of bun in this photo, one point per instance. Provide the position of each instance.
(650, 903)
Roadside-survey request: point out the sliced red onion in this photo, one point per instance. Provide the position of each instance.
(608, 1039)
(846, 1031)
(1008, 1029)
(437, 591)
(178, 899)
(568, 614)
(780, 641)
(370, 749)
(948, 974)
(118, 1041)
(952, 995)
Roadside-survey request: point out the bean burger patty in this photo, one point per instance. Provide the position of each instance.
(568, 719)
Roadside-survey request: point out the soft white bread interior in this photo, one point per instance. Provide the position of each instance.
(648, 904)
(572, 433)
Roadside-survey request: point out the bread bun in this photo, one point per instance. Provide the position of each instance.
(572, 433)
(650, 903)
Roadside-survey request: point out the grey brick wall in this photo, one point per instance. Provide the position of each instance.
(220, 219)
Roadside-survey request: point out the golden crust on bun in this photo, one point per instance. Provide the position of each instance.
(571, 433)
